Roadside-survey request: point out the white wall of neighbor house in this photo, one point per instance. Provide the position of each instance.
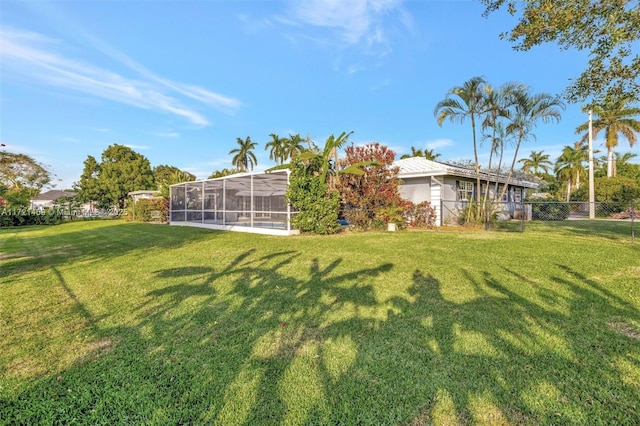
(416, 189)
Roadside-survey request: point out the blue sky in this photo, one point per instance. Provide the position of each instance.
(179, 81)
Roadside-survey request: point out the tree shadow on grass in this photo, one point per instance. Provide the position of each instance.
(88, 242)
(196, 346)
(252, 342)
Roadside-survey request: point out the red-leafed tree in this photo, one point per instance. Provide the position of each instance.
(363, 196)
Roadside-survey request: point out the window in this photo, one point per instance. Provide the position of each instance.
(465, 191)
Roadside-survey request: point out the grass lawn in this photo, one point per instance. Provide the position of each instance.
(106, 322)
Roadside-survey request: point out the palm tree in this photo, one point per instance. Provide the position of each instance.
(497, 103)
(414, 153)
(570, 165)
(614, 117)
(622, 160)
(430, 154)
(292, 147)
(498, 141)
(462, 102)
(244, 156)
(276, 147)
(527, 111)
(536, 161)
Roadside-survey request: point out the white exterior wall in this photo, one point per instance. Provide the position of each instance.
(416, 189)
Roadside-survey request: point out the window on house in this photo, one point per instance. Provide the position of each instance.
(505, 197)
(465, 190)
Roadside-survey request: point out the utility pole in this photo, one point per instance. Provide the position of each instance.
(592, 196)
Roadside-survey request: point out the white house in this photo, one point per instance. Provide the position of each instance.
(448, 187)
(48, 199)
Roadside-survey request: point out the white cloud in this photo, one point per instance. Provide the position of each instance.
(36, 57)
(142, 147)
(352, 22)
(439, 143)
(168, 134)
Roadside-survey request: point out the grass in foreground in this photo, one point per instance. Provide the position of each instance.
(108, 322)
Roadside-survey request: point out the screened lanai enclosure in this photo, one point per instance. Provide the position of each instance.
(244, 202)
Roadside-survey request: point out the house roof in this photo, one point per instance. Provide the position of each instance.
(420, 166)
(53, 195)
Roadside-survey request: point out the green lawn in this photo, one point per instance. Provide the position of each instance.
(108, 322)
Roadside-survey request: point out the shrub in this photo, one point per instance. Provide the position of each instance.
(550, 211)
(149, 210)
(316, 206)
(23, 217)
(419, 215)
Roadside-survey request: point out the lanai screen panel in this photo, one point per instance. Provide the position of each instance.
(247, 200)
(213, 201)
(193, 192)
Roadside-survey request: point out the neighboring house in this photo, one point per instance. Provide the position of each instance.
(48, 199)
(143, 194)
(449, 188)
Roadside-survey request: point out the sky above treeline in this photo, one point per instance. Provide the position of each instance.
(179, 81)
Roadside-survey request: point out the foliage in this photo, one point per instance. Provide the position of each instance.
(365, 195)
(552, 210)
(276, 147)
(626, 169)
(88, 188)
(462, 102)
(149, 210)
(309, 195)
(536, 161)
(389, 214)
(570, 168)
(109, 182)
(617, 189)
(165, 176)
(429, 154)
(244, 158)
(21, 178)
(609, 30)
(222, 173)
(22, 216)
(614, 118)
(421, 215)
(527, 110)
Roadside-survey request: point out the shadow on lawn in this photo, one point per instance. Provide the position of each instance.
(247, 343)
(88, 241)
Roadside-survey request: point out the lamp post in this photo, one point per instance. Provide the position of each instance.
(592, 197)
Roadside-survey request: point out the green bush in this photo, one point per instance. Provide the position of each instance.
(149, 210)
(23, 217)
(316, 206)
(550, 211)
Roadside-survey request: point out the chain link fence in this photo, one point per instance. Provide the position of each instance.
(513, 216)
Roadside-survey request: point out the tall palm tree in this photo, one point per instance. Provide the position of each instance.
(527, 111)
(570, 165)
(536, 161)
(497, 103)
(499, 139)
(244, 156)
(276, 147)
(462, 102)
(614, 117)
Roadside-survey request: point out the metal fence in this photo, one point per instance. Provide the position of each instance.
(512, 216)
